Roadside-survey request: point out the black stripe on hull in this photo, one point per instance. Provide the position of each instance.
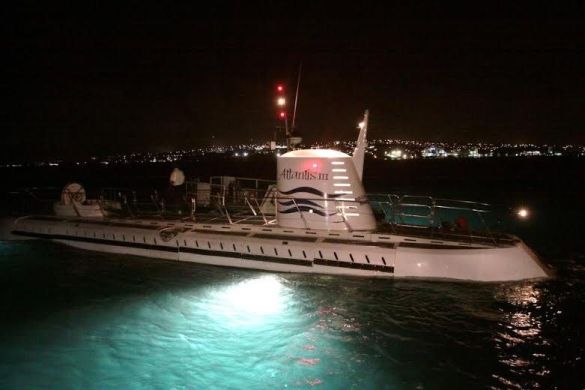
(344, 264)
(163, 248)
(245, 256)
(424, 245)
(236, 255)
(104, 241)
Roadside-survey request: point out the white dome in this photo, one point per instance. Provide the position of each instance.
(315, 153)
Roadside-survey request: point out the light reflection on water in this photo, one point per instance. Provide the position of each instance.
(523, 350)
(88, 320)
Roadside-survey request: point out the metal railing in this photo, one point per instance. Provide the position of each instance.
(440, 217)
(414, 214)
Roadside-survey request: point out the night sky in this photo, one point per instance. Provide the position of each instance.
(84, 80)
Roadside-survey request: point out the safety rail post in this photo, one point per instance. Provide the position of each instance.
(154, 199)
(487, 228)
(300, 213)
(433, 216)
(225, 210)
(193, 207)
(247, 201)
(349, 229)
(261, 212)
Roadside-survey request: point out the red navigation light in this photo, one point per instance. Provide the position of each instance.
(282, 115)
(279, 88)
(312, 165)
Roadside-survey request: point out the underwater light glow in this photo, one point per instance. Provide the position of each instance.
(249, 301)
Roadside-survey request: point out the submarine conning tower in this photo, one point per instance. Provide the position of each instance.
(321, 189)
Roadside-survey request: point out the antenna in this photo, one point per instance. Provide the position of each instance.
(297, 96)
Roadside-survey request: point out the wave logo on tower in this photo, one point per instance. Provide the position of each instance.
(298, 205)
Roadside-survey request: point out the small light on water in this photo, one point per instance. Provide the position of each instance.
(522, 213)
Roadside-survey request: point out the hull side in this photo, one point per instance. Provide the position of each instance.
(487, 265)
(253, 248)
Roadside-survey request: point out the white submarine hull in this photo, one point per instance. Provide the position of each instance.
(324, 225)
(291, 250)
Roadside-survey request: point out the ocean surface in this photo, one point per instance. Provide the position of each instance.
(72, 319)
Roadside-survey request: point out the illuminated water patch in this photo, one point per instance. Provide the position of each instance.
(248, 302)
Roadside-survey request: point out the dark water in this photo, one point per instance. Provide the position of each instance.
(75, 319)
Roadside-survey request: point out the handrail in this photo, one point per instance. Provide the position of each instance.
(300, 212)
(438, 215)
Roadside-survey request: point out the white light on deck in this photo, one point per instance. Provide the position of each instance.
(281, 101)
(361, 125)
(523, 213)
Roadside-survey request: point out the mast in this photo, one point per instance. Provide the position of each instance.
(360, 147)
(296, 97)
